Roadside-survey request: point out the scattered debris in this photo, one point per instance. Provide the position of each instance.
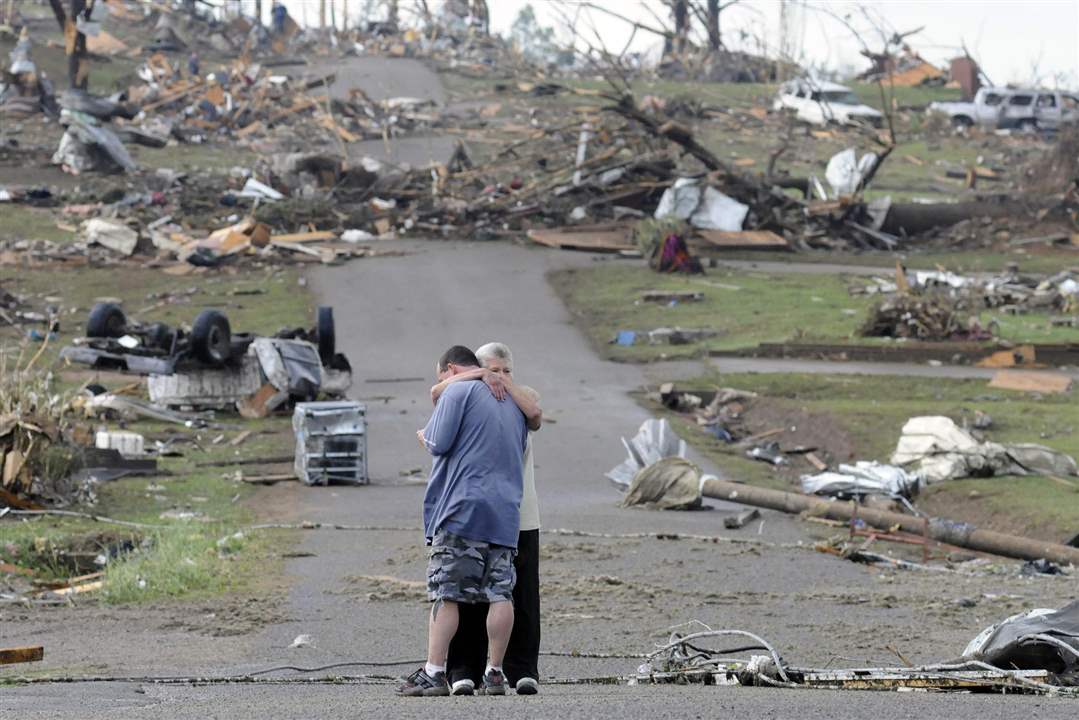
(735, 522)
(1041, 639)
(331, 442)
(862, 479)
(671, 483)
(940, 450)
(654, 441)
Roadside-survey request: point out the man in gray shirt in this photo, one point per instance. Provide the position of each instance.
(471, 518)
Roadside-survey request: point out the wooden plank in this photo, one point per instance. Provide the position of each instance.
(9, 569)
(77, 589)
(179, 269)
(323, 254)
(744, 239)
(1022, 355)
(248, 129)
(10, 656)
(306, 236)
(595, 238)
(816, 462)
(1031, 381)
(12, 500)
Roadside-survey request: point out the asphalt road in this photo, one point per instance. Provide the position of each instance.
(357, 593)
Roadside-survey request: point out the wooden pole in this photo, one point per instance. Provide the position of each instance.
(322, 14)
(940, 529)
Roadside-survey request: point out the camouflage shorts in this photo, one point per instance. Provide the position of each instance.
(469, 571)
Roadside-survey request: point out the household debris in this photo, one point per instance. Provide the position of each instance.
(654, 441)
(940, 450)
(1041, 639)
(331, 442)
(671, 483)
(862, 479)
(691, 657)
(937, 304)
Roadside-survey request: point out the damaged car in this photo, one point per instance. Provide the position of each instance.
(819, 102)
(210, 366)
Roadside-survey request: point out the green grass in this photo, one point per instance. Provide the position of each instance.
(872, 412)
(27, 223)
(184, 559)
(206, 156)
(1050, 261)
(746, 307)
(191, 557)
(181, 562)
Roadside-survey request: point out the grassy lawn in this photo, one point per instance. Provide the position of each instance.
(1044, 260)
(184, 557)
(870, 414)
(22, 222)
(188, 557)
(746, 307)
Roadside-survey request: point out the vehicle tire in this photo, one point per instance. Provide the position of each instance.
(325, 333)
(1027, 125)
(107, 320)
(962, 121)
(211, 337)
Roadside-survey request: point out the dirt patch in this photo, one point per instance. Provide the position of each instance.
(982, 510)
(801, 429)
(379, 588)
(227, 617)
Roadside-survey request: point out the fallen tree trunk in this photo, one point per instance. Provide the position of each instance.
(916, 218)
(940, 529)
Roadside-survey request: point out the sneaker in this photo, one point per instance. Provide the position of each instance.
(420, 684)
(527, 686)
(463, 687)
(494, 683)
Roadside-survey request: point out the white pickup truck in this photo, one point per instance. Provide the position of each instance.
(1008, 108)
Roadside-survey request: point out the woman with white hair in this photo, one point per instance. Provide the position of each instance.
(467, 659)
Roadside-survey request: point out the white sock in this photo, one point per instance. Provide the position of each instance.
(496, 668)
(432, 669)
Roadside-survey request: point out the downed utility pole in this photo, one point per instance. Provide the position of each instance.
(940, 529)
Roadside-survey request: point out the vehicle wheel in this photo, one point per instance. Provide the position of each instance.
(325, 333)
(211, 337)
(961, 121)
(107, 320)
(1027, 125)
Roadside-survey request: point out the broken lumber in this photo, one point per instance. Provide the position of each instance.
(10, 656)
(740, 520)
(940, 529)
(1031, 381)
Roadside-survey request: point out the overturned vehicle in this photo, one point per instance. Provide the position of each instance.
(209, 366)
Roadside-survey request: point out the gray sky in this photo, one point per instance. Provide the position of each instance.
(1014, 40)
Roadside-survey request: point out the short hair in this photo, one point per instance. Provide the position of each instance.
(493, 351)
(458, 355)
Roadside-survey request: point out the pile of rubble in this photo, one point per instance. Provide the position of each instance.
(940, 305)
